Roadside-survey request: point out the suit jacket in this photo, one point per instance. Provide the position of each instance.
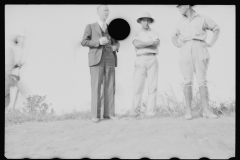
(91, 37)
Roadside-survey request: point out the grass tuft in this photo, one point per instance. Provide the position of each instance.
(37, 110)
(17, 117)
(171, 107)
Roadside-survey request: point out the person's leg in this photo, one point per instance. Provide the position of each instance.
(10, 90)
(96, 81)
(102, 98)
(201, 65)
(187, 71)
(13, 98)
(8, 83)
(152, 79)
(139, 79)
(109, 92)
(23, 86)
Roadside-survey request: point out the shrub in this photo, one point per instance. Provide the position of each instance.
(37, 105)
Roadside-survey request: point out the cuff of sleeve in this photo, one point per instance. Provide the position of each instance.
(97, 43)
(174, 34)
(134, 39)
(216, 28)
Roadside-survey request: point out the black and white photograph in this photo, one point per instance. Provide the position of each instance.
(125, 81)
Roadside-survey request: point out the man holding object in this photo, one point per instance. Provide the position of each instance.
(102, 62)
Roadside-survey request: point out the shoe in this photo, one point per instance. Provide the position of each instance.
(209, 115)
(112, 118)
(188, 116)
(96, 120)
(152, 115)
(134, 114)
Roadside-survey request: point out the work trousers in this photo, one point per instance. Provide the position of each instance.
(146, 67)
(194, 59)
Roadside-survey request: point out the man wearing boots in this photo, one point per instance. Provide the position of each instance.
(190, 35)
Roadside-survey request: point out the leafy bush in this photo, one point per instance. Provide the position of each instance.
(37, 109)
(37, 105)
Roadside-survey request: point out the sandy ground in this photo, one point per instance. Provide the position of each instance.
(124, 138)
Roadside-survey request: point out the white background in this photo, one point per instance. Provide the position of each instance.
(57, 64)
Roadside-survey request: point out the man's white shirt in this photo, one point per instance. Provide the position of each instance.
(145, 36)
(101, 24)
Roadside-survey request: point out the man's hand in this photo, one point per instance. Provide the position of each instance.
(114, 48)
(176, 42)
(179, 45)
(14, 77)
(206, 45)
(156, 42)
(103, 40)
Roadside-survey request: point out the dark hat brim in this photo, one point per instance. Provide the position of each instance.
(139, 19)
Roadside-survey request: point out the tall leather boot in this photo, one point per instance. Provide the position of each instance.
(188, 100)
(204, 99)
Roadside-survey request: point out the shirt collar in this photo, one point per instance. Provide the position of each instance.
(149, 29)
(195, 14)
(100, 22)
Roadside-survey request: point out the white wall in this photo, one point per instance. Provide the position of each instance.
(57, 64)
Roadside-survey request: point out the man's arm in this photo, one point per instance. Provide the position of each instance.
(215, 37)
(140, 44)
(87, 38)
(212, 26)
(175, 41)
(175, 36)
(115, 45)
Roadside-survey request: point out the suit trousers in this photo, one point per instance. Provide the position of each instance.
(102, 75)
(194, 59)
(146, 67)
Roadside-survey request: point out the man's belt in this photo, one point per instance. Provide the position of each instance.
(147, 54)
(198, 40)
(193, 40)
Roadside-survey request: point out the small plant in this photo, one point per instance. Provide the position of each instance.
(37, 105)
(37, 109)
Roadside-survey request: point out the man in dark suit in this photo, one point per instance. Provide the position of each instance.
(102, 62)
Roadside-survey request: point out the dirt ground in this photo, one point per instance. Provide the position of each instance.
(124, 138)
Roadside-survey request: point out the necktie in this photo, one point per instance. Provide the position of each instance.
(104, 26)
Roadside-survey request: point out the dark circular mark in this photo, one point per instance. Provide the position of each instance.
(119, 29)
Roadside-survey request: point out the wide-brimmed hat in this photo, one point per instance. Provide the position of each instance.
(145, 15)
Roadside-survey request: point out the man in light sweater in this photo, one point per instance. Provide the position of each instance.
(146, 44)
